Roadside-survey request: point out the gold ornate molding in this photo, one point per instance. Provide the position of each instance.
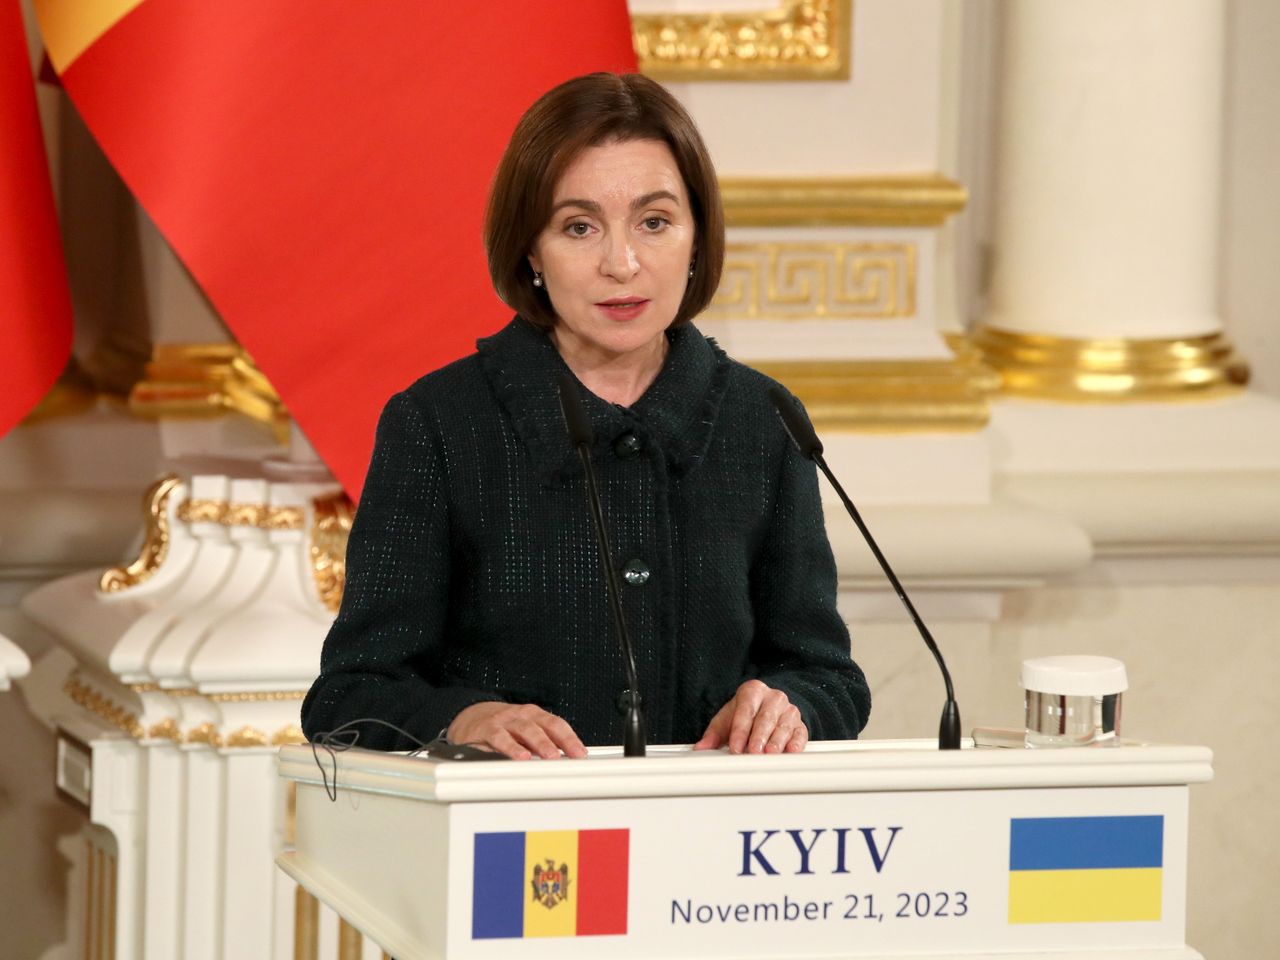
(906, 200)
(186, 380)
(284, 518)
(102, 707)
(900, 396)
(165, 730)
(806, 281)
(288, 734)
(200, 510)
(797, 40)
(247, 736)
(257, 696)
(206, 733)
(330, 526)
(260, 515)
(155, 548)
(1112, 370)
(123, 719)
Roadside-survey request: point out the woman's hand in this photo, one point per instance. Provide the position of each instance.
(520, 730)
(759, 719)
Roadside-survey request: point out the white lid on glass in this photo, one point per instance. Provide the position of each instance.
(1075, 676)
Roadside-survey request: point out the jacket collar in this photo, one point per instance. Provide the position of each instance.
(677, 412)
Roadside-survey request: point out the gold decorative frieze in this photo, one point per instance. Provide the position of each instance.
(206, 733)
(184, 380)
(288, 734)
(284, 518)
(1112, 370)
(165, 730)
(102, 706)
(123, 719)
(330, 526)
(898, 396)
(796, 40)
(199, 510)
(247, 736)
(155, 548)
(257, 696)
(245, 515)
(806, 281)
(904, 200)
(260, 515)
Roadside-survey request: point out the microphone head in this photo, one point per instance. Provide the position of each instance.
(798, 426)
(575, 415)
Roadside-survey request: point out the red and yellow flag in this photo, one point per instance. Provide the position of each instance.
(35, 302)
(321, 167)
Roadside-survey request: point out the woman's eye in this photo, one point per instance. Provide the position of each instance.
(578, 229)
(655, 223)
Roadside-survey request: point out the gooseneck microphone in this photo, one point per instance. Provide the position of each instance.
(581, 436)
(806, 440)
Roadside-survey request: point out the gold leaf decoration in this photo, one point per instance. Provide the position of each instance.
(797, 40)
(330, 527)
(155, 547)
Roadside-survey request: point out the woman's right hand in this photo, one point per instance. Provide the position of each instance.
(519, 730)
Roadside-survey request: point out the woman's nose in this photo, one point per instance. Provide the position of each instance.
(619, 258)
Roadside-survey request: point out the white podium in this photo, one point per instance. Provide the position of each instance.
(851, 849)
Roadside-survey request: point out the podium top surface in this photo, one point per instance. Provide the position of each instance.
(833, 766)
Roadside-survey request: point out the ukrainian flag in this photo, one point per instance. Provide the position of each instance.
(550, 883)
(1085, 869)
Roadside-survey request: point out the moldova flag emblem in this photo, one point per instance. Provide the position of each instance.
(1085, 869)
(550, 883)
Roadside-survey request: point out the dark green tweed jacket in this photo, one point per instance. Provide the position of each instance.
(473, 573)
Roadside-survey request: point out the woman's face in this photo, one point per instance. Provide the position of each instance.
(615, 255)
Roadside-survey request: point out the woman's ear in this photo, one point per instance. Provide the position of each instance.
(535, 262)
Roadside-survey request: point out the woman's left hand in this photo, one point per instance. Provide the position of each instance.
(759, 719)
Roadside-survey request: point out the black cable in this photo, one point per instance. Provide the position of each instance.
(344, 737)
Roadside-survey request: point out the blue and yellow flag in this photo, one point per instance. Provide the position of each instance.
(1085, 869)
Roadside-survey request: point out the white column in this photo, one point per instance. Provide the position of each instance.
(1109, 169)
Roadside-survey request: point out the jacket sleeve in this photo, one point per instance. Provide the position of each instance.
(382, 656)
(801, 646)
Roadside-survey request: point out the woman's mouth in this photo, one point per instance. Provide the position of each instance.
(623, 308)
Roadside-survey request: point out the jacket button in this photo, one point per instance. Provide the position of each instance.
(627, 446)
(635, 572)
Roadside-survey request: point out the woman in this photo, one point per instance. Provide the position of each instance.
(474, 600)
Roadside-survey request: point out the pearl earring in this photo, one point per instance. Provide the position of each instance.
(692, 264)
(537, 279)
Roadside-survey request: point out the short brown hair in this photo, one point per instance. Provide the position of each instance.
(586, 112)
